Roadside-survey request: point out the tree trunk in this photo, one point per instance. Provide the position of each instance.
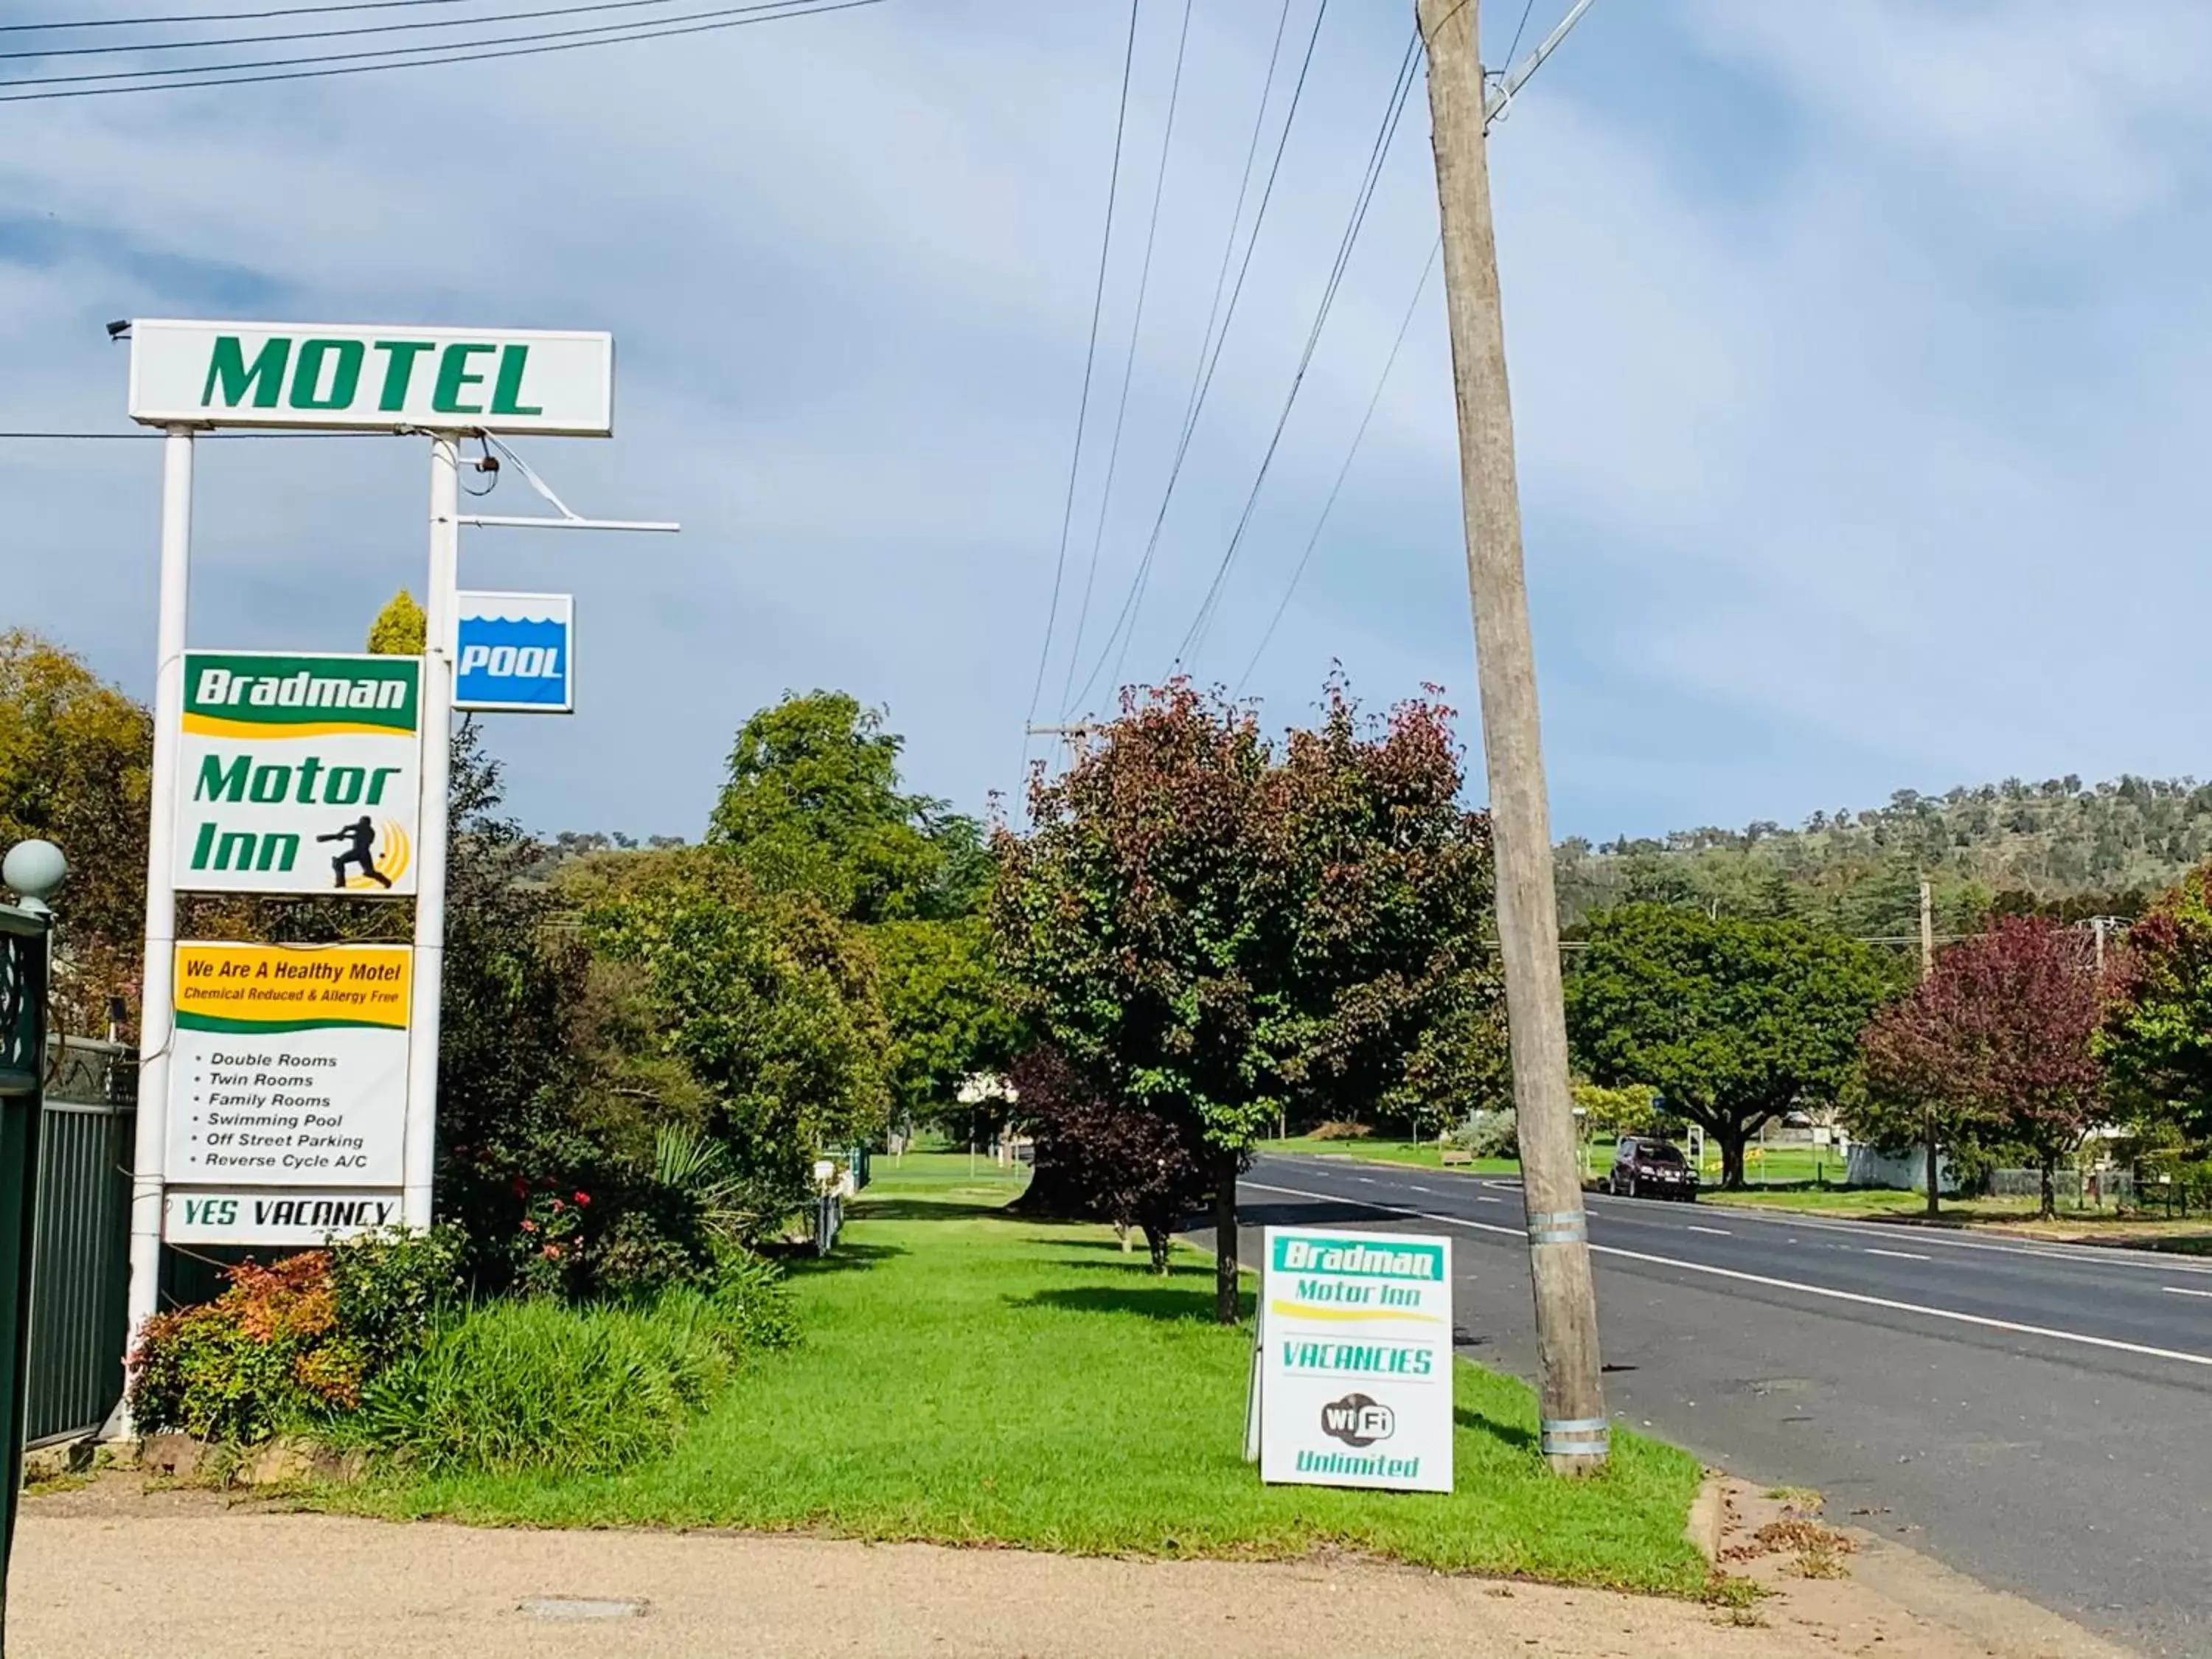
(2050, 1210)
(1159, 1240)
(1732, 1144)
(1121, 1232)
(1934, 1152)
(1225, 1239)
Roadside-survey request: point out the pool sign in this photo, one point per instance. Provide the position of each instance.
(298, 774)
(287, 1070)
(512, 653)
(350, 377)
(1355, 1371)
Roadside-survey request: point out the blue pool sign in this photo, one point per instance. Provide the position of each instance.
(512, 654)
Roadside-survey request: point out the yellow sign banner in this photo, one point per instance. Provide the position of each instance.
(270, 989)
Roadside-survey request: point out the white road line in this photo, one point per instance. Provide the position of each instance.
(1857, 1297)
(1717, 1232)
(1411, 1188)
(2175, 1290)
(2084, 1254)
(1480, 1198)
(1900, 1256)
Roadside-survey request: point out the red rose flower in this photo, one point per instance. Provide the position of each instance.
(529, 1226)
(582, 1199)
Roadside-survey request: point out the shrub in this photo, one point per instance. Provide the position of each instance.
(1489, 1134)
(750, 1301)
(1114, 1160)
(390, 1286)
(286, 1346)
(536, 1386)
(1340, 1130)
(264, 1357)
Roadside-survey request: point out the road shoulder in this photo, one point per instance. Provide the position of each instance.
(93, 1565)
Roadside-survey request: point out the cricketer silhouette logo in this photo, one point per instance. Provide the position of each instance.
(378, 849)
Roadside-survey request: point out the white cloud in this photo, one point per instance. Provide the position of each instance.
(1860, 431)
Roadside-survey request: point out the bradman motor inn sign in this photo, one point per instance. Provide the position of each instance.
(1355, 1371)
(298, 774)
(288, 1090)
(372, 379)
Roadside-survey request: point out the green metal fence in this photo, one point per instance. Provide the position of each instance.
(23, 935)
(79, 1271)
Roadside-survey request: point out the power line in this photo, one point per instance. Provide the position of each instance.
(1129, 362)
(1210, 604)
(743, 13)
(137, 46)
(133, 436)
(1381, 380)
(1125, 624)
(1518, 28)
(1089, 364)
(223, 16)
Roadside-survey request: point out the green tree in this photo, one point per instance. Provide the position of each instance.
(2155, 1041)
(813, 806)
(948, 1012)
(765, 998)
(1211, 932)
(76, 759)
(1734, 1022)
(400, 628)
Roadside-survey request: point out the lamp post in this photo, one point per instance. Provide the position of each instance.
(33, 869)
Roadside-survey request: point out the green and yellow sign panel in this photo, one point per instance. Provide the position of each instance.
(288, 1069)
(1355, 1362)
(299, 773)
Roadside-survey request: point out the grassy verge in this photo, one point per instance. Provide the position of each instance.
(1418, 1154)
(975, 1378)
(2012, 1215)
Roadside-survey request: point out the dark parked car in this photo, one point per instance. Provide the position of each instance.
(1645, 1168)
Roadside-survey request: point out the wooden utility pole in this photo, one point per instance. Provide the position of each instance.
(1929, 1149)
(1575, 1437)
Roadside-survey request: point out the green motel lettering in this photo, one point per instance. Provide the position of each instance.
(1358, 1359)
(311, 782)
(466, 377)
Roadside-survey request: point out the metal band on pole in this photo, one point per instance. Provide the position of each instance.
(1576, 1436)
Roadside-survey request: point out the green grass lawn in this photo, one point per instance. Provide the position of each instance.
(2149, 1228)
(973, 1377)
(1420, 1154)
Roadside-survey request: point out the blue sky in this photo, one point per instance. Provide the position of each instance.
(1858, 349)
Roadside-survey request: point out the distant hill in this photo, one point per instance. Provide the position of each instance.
(2056, 846)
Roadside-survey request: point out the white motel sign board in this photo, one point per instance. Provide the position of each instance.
(298, 774)
(350, 377)
(1355, 1375)
(288, 1090)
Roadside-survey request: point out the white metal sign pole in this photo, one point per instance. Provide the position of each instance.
(157, 986)
(437, 727)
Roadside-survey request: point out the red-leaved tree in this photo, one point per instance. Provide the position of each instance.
(1998, 1037)
(1211, 930)
(1106, 1160)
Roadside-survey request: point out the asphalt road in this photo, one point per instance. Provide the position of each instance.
(2037, 1416)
